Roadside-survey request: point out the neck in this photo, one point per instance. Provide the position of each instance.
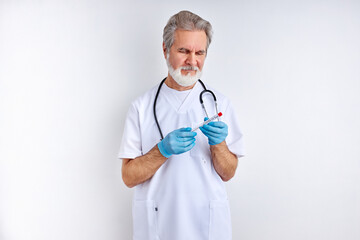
(171, 83)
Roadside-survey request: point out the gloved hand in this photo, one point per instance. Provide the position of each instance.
(177, 142)
(215, 131)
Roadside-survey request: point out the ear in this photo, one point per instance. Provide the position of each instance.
(164, 49)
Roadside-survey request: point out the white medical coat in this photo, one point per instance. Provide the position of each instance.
(186, 198)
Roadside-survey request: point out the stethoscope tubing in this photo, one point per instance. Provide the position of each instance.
(200, 98)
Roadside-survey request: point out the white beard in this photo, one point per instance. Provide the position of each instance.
(182, 80)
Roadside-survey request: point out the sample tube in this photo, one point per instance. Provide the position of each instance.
(207, 121)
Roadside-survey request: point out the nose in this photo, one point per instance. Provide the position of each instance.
(191, 59)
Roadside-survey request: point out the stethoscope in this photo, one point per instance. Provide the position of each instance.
(200, 97)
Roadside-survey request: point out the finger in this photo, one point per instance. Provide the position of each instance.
(206, 118)
(184, 139)
(202, 130)
(187, 129)
(218, 124)
(186, 134)
(213, 129)
(211, 134)
(185, 144)
(188, 148)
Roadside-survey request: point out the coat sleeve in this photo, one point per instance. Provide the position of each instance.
(131, 139)
(234, 140)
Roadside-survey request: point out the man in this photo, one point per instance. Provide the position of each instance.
(179, 181)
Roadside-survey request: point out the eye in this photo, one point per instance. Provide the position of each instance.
(200, 53)
(183, 50)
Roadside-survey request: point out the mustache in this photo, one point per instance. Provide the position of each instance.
(190, 68)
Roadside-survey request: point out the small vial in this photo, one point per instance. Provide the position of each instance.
(207, 121)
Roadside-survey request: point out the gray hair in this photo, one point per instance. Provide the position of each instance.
(185, 20)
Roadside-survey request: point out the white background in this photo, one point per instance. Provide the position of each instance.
(69, 70)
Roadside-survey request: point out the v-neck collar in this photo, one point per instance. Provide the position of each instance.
(179, 107)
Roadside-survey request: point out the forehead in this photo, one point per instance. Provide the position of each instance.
(190, 39)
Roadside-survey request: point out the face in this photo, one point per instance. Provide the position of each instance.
(188, 50)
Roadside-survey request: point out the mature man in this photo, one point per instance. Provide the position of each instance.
(179, 181)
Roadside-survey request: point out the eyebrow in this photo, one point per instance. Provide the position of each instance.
(183, 49)
(187, 50)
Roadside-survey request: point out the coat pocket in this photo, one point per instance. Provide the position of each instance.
(144, 220)
(220, 220)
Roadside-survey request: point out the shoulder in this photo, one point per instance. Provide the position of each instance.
(146, 98)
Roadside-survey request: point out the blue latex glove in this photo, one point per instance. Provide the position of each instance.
(177, 142)
(215, 131)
